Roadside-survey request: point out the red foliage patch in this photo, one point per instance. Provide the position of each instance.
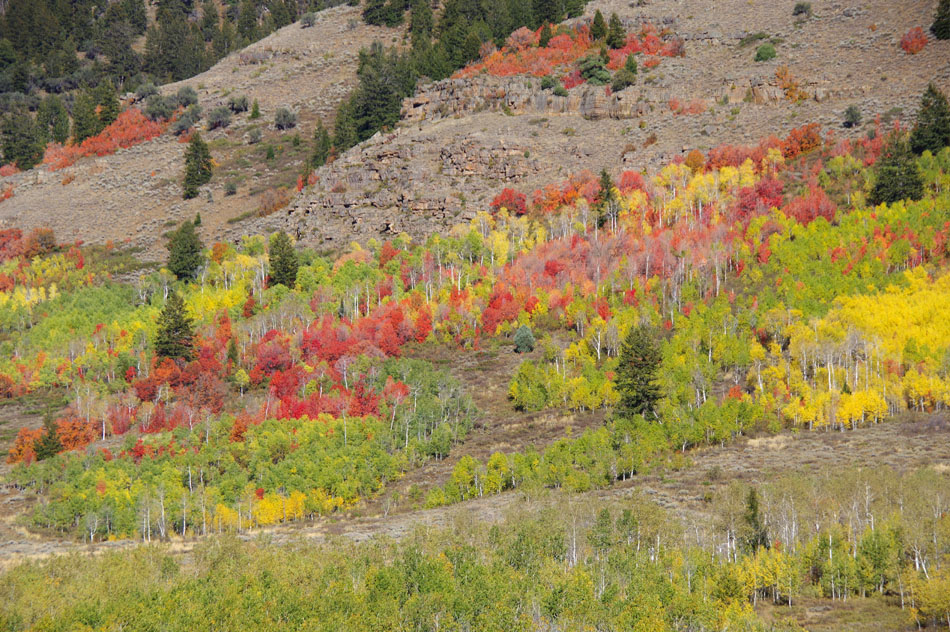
(914, 41)
(130, 128)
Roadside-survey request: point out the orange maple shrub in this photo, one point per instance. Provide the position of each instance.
(129, 129)
(914, 41)
(22, 450)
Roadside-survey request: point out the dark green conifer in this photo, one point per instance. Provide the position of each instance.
(636, 373)
(198, 166)
(616, 34)
(898, 177)
(283, 261)
(85, 119)
(932, 130)
(321, 146)
(175, 336)
(184, 252)
(598, 29)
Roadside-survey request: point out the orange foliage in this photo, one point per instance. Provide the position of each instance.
(22, 450)
(75, 432)
(7, 193)
(914, 41)
(8, 170)
(789, 84)
(273, 200)
(695, 161)
(130, 128)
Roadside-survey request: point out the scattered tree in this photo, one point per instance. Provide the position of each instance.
(932, 130)
(598, 29)
(616, 34)
(175, 336)
(283, 261)
(941, 26)
(321, 146)
(898, 177)
(852, 116)
(636, 373)
(524, 340)
(198, 166)
(184, 252)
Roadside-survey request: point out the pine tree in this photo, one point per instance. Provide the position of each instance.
(53, 119)
(420, 22)
(23, 140)
(605, 198)
(598, 30)
(321, 146)
(107, 99)
(616, 34)
(545, 37)
(255, 110)
(233, 357)
(636, 373)
(757, 535)
(898, 177)
(48, 445)
(283, 261)
(85, 119)
(524, 340)
(198, 166)
(941, 26)
(175, 336)
(184, 252)
(247, 21)
(932, 131)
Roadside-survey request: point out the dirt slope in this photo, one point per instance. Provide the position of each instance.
(135, 195)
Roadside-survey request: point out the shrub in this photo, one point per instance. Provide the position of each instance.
(145, 91)
(219, 117)
(159, 108)
(512, 200)
(765, 52)
(254, 136)
(941, 26)
(914, 41)
(230, 188)
(594, 69)
(186, 96)
(622, 78)
(255, 110)
(802, 8)
(524, 340)
(547, 82)
(560, 91)
(285, 119)
(188, 119)
(238, 104)
(308, 20)
(852, 116)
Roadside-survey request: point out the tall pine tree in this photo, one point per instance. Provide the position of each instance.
(321, 146)
(283, 261)
(598, 29)
(85, 119)
(175, 336)
(198, 166)
(636, 373)
(184, 252)
(932, 131)
(898, 177)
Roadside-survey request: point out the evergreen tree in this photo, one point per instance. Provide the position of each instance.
(898, 177)
(175, 336)
(23, 140)
(247, 21)
(53, 119)
(184, 252)
(283, 261)
(321, 146)
(631, 64)
(85, 119)
(198, 167)
(636, 373)
(524, 340)
(255, 110)
(545, 36)
(941, 26)
(546, 11)
(932, 130)
(598, 30)
(756, 533)
(232, 354)
(616, 34)
(420, 22)
(605, 198)
(48, 445)
(108, 101)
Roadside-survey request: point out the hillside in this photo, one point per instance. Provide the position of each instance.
(132, 196)
(636, 322)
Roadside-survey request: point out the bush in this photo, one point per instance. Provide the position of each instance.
(285, 119)
(186, 96)
(308, 20)
(548, 82)
(255, 110)
(254, 136)
(145, 91)
(622, 79)
(802, 8)
(219, 117)
(560, 91)
(230, 188)
(188, 119)
(238, 104)
(159, 108)
(765, 52)
(914, 41)
(852, 116)
(524, 340)
(594, 69)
